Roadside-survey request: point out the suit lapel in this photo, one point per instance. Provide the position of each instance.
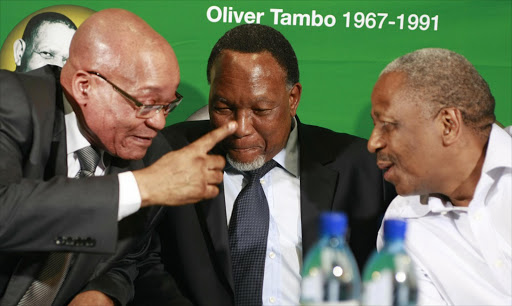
(57, 161)
(317, 185)
(212, 217)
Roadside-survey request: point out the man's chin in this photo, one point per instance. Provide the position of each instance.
(256, 163)
(405, 190)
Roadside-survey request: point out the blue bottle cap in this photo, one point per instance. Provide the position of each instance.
(394, 229)
(333, 223)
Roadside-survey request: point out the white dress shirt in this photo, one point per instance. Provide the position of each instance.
(281, 282)
(129, 195)
(463, 254)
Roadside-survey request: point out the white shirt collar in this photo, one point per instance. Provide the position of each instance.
(75, 140)
(499, 151)
(439, 205)
(288, 157)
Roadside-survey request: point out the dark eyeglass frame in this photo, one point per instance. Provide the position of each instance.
(145, 110)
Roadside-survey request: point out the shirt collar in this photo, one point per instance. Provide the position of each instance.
(499, 151)
(288, 157)
(75, 140)
(440, 205)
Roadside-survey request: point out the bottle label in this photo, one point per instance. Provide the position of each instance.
(379, 291)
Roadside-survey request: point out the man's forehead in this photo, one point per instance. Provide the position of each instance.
(238, 58)
(255, 66)
(391, 82)
(390, 95)
(47, 27)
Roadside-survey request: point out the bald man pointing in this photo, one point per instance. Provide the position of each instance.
(71, 167)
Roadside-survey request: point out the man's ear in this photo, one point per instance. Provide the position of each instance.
(81, 86)
(294, 98)
(450, 124)
(19, 48)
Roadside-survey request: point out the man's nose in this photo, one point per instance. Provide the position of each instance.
(157, 122)
(244, 121)
(375, 142)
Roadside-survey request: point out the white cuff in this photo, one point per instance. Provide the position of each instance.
(129, 195)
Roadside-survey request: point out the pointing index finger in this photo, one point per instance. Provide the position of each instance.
(208, 141)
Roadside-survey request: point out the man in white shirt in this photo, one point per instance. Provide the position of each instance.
(437, 142)
(113, 96)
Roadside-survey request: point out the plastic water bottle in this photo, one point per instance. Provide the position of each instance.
(389, 277)
(330, 275)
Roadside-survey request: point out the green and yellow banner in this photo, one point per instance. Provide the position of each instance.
(341, 45)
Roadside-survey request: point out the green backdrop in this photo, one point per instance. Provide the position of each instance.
(339, 59)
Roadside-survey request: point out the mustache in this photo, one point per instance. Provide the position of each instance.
(386, 158)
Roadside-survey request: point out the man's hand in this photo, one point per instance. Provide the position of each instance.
(187, 175)
(91, 297)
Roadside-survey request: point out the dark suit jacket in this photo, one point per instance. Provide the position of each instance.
(336, 173)
(42, 211)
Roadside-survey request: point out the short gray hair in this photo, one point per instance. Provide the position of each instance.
(443, 78)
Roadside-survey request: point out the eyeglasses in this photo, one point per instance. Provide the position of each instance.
(144, 110)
